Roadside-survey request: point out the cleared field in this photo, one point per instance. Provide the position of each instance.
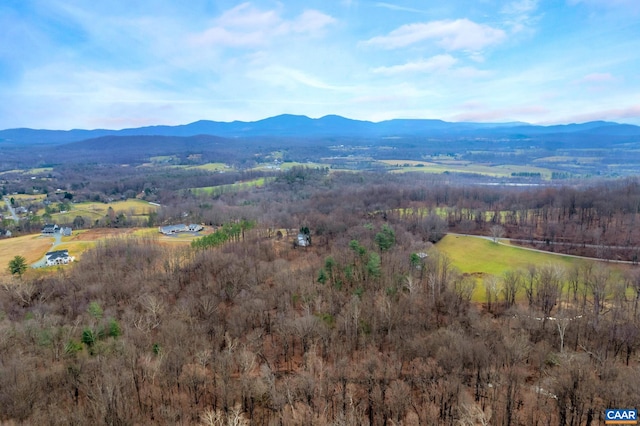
(481, 257)
(457, 166)
(288, 165)
(221, 189)
(32, 247)
(408, 163)
(39, 170)
(567, 159)
(211, 167)
(98, 210)
(27, 198)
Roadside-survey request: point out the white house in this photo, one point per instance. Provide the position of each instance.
(174, 229)
(58, 257)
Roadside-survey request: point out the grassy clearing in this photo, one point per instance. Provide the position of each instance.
(6, 172)
(480, 257)
(32, 247)
(238, 186)
(27, 198)
(289, 165)
(94, 210)
(504, 170)
(474, 255)
(76, 248)
(39, 170)
(211, 167)
(407, 163)
(567, 159)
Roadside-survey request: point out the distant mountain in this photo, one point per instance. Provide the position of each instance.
(329, 126)
(115, 149)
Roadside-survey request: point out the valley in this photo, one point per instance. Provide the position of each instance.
(444, 278)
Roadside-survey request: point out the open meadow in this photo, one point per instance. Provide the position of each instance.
(481, 257)
(33, 247)
(455, 166)
(98, 210)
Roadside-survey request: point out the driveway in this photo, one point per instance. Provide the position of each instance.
(57, 238)
(11, 209)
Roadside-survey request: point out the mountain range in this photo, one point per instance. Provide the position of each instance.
(328, 126)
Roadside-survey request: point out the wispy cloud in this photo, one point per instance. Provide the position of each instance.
(480, 113)
(631, 112)
(399, 8)
(604, 77)
(72, 63)
(459, 34)
(435, 63)
(248, 26)
(520, 14)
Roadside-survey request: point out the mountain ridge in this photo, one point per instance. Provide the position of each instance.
(290, 125)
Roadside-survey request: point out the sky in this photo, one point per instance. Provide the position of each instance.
(116, 64)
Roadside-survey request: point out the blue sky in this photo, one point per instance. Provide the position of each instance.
(115, 64)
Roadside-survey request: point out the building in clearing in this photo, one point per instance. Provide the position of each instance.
(50, 229)
(303, 240)
(58, 257)
(174, 229)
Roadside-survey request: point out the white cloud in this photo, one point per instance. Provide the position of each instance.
(520, 14)
(246, 16)
(246, 26)
(433, 64)
(310, 21)
(461, 34)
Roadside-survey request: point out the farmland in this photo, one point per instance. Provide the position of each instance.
(457, 166)
(96, 210)
(233, 187)
(33, 247)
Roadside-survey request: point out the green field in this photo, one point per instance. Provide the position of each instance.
(289, 165)
(211, 167)
(456, 166)
(481, 257)
(222, 189)
(94, 210)
(27, 198)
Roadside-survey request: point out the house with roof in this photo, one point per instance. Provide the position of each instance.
(175, 229)
(58, 257)
(50, 229)
(303, 240)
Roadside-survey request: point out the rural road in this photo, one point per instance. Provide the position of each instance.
(627, 262)
(11, 210)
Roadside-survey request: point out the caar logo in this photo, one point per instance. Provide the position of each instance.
(621, 417)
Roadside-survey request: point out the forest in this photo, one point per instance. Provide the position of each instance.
(369, 325)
